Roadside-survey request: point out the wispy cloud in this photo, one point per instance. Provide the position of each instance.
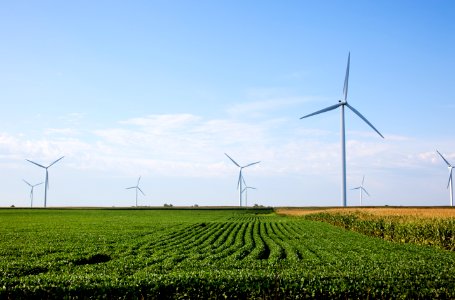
(162, 122)
(267, 104)
(179, 145)
(66, 132)
(184, 142)
(74, 118)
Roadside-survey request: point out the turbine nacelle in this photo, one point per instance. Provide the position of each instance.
(46, 182)
(137, 188)
(450, 183)
(240, 180)
(32, 186)
(344, 102)
(362, 190)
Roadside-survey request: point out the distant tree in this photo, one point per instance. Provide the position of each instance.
(195, 205)
(12, 206)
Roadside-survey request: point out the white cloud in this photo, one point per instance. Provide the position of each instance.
(73, 118)
(183, 144)
(162, 123)
(186, 145)
(265, 105)
(175, 149)
(61, 131)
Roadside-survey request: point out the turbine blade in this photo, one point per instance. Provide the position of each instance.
(364, 119)
(322, 110)
(240, 178)
(365, 192)
(363, 180)
(138, 180)
(356, 188)
(140, 190)
(38, 184)
(27, 182)
(128, 188)
(47, 180)
(55, 162)
(450, 179)
(36, 164)
(346, 78)
(243, 179)
(250, 187)
(448, 164)
(251, 164)
(233, 160)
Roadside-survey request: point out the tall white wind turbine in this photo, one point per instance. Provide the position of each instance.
(32, 186)
(137, 188)
(362, 190)
(245, 189)
(342, 104)
(450, 183)
(46, 185)
(240, 181)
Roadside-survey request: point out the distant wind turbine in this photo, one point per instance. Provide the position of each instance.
(46, 185)
(137, 188)
(342, 104)
(32, 186)
(450, 183)
(240, 181)
(245, 189)
(361, 189)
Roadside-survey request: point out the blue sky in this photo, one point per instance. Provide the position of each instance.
(163, 88)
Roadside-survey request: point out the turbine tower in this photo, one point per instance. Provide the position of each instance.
(239, 183)
(46, 185)
(361, 189)
(137, 188)
(450, 183)
(245, 189)
(32, 186)
(342, 104)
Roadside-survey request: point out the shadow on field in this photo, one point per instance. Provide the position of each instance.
(94, 259)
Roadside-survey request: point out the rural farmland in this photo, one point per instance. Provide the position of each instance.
(208, 253)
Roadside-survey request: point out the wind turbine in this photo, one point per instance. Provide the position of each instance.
(361, 189)
(46, 185)
(246, 191)
(31, 190)
(137, 188)
(342, 104)
(239, 183)
(450, 183)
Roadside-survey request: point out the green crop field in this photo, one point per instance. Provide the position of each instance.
(201, 253)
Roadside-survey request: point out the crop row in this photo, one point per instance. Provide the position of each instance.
(191, 254)
(434, 232)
